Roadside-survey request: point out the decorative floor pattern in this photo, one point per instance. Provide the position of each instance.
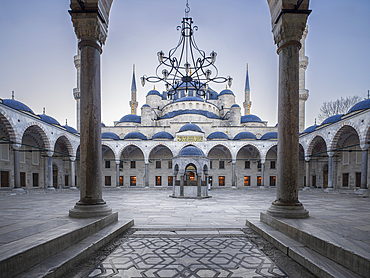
(187, 257)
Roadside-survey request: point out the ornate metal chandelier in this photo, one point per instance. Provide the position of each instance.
(186, 66)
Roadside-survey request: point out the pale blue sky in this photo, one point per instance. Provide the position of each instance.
(38, 45)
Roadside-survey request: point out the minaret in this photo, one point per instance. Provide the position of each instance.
(77, 91)
(303, 92)
(133, 102)
(247, 104)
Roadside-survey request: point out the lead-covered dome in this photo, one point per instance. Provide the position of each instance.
(365, 104)
(250, 119)
(310, 129)
(135, 135)
(217, 135)
(162, 135)
(70, 129)
(17, 105)
(191, 127)
(245, 135)
(269, 135)
(48, 119)
(189, 98)
(332, 119)
(109, 135)
(226, 92)
(130, 118)
(154, 93)
(191, 151)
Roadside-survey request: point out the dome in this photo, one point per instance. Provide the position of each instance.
(17, 105)
(365, 104)
(245, 135)
(135, 135)
(235, 105)
(162, 135)
(154, 93)
(145, 105)
(190, 111)
(332, 119)
(191, 151)
(189, 98)
(217, 135)
(109, 135)
(250, 118)
(130, 118)
(226, 92)
(310, 129)
(192, 127)
(102, 125)
(269, 135)
(48, 119)
(70, 129)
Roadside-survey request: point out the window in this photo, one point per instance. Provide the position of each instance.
(259, 165)
(35, 158)
(247, 180)
(158, 165)
(108, 181)
(23, 179)
(221, 181)
(107, 164)
(5, 152)
(22, 154)
(121, 164)
(120, 180)
(170, 181)
(210, 164)
(4, 178)
(358, 179)
(247, 164)
(133, 164)
(345, 179)
(259, 180)
(170, 164)
(221, 164)
(66, 180)
(35, 179)
(158, 181)
(272, 180)
(272, 164)
(132, 180)
(345, 158)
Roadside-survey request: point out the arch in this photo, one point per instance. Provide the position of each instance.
(312, 143)
(9, 125)
(160, 144)
(221, 144)
(43, 134)
(160, 149)
(343, 134)
(67, 143)
(338, 133)
(246, 144)
(123, 147)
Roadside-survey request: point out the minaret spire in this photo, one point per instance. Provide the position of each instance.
(247, 102)
(133, 102)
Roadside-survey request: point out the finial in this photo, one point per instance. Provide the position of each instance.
(226, 87)
(247, 66)
(154, 88)
(12, 94)
(44, 111)
(134, 67)
(66, 122)
(368, 94)
(315, 121)
(187, 9)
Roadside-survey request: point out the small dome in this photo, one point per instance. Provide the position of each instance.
(310, 129)
(109, 135)
(217, 135)
(162, 135)
(192, 127)
(135, 135)
(154, 93)
(145, 105)
(48, 119)
(17, 105)
(130, 118)
(226, 92)
(235, 106)
(332, 119)
(102, 125)
(269, 135)
(365, 104)
(250, 118)
(245, 135)
(70, 129)
(191, 151)
(190, 111)
(189, 98)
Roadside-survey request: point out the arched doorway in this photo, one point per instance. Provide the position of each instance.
(190, 173)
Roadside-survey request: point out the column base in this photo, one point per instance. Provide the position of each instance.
(329, 189)
(73, 188)
(363, 192)
(19, 190)
(296, 212)
(90, 211)
(306, 188)
(50, 189)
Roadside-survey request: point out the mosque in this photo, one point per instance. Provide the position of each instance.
(184, 137)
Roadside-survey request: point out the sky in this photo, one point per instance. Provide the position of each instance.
(38, 44)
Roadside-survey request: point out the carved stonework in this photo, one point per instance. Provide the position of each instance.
(89, 28)
(289, 28)
(76, 93)
(303, 95)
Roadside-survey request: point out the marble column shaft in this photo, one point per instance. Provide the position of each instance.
(50, 171)
(17, 169)
(199, 185)
(117, 173)
(73, 173)
(364, 167)
(262, 174)
(182, 185)
(233, 178)
(307, 173)
(330, 170)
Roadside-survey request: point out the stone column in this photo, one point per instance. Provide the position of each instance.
(117, 173)
(233, 178)
(199, 185)
(206, 179)
(307, 159)
(17, 169)
(330, 171)
(91, 31)
(146, 174)
(50, 171)
(173, 185)
(288, 28)
(364, 166)
(73, 172)
(182, 185)
(262, 173)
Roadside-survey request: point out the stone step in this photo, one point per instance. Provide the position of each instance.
(19, 255)
(315, 262)
(58, 264)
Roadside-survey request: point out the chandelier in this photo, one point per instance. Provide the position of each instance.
(186, 66)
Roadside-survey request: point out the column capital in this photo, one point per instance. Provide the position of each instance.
(364, 147)
(16, 146)
(330, 153)
(49, 153)
(307, 158)
(118, 162)
(72, 158)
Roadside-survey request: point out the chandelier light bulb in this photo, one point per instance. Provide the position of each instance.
(142, 80)
(160, 56)
(213, 57)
